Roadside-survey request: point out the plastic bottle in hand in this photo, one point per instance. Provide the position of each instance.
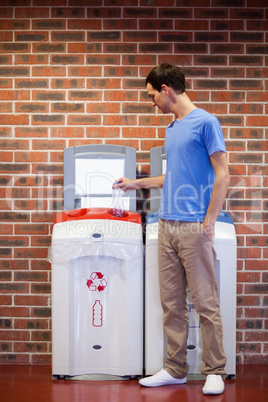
(117, 205)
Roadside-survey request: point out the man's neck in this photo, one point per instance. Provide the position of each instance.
(183, 106)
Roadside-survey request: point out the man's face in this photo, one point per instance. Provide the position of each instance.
(159, 99)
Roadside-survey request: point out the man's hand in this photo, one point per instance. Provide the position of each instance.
(208, 229)
(125, 184)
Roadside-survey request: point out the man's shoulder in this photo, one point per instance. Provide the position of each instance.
(207, 119)
(206, 115)
(201, 115)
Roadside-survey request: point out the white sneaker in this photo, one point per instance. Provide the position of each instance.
(214, 385)
(161, 378)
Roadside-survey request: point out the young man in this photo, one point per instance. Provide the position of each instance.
(194, 189)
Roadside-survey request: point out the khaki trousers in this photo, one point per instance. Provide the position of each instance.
(186, 256)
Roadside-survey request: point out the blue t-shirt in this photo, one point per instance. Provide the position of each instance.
(190, 177)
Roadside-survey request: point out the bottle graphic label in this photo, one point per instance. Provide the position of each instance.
(97, 314)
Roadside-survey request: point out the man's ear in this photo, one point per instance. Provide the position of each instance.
(165, 88)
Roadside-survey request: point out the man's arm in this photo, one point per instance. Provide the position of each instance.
(220, 166)
(148, 182)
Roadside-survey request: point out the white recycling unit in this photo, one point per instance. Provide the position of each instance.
(97, 293)
(155, 343)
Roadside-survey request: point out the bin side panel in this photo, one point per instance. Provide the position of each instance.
(106, 316)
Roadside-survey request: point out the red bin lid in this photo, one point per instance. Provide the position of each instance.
(97, 213)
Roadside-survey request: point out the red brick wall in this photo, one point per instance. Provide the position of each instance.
(72, 72)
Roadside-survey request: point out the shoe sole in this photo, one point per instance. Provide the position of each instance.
(162, 384)
(212, 392)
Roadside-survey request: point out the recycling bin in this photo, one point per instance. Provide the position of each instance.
(97, 293)
(155, 342)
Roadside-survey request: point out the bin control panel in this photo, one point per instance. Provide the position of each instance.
(91, 170)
